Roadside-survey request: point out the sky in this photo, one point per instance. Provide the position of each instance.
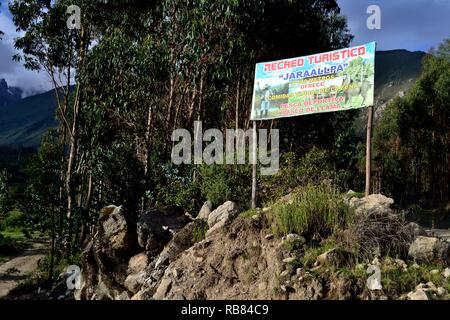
(405, 24)
(15, 74)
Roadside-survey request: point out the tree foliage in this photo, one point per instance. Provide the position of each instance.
(412, 141)
(137, 70)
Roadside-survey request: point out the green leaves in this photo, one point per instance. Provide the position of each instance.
(412, 138)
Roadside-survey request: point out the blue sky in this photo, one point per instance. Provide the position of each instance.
(405, 24)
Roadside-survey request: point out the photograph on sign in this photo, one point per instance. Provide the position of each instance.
(326, 82)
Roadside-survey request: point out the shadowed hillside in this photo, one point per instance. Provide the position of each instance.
(23, 123)
(396, 71)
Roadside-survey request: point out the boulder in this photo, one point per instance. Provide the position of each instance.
(429, 249)
(333, 257)
(205, 211)
(137, 263)
(374, 203)
(446, 273)
(180, 242)
(425, 291)
(222, 216)
(141, 295)
(116, 229)
(419, 294)
(106, 256)
(155, 228)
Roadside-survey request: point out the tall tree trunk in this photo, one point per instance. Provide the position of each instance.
(73, 138)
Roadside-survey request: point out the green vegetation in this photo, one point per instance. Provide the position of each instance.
(15, 220)
(397, 280)
(222, 183)
(11, 244)
(199, 232)
(310, 255)
(411, 140)
(315, 210)
(162, 66)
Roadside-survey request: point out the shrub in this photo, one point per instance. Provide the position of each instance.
(15, 220)
(372, 233)
(313, 168)
(174, 187)
(220, 183)
(315, 210)
(395, 280)
(199, 232)
(10, 246)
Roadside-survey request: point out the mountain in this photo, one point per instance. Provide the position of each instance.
(8, 94)
(23, 122)
(395, 72)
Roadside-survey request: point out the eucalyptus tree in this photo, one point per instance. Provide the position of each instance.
(141, 69)
(412, 140)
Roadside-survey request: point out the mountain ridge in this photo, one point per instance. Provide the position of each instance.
(9, 94)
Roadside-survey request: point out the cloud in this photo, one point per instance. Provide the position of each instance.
(405, 24)
(14, 72)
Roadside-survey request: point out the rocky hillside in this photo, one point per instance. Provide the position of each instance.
(227, 254)
(396, 71)
(8, 94)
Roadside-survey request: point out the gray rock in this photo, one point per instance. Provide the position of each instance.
(205, 211)
(441, 291)
(123, 296)
(142, 295)
(226, 212)
(446, 273)
(156, 228)
(434, 272)
(294, 238)
(429, 249)
(180, 242)
(222, 216)
(134, 282)
(117, 229)
(163, 289)
(374, 203)
(106, 256)
(332, 257)
(419, 294)
(137, 263)
(289, 260)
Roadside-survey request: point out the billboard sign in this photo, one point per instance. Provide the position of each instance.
(332, 81)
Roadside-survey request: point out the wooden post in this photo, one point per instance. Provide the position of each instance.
(254, 137)
(369, 149)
